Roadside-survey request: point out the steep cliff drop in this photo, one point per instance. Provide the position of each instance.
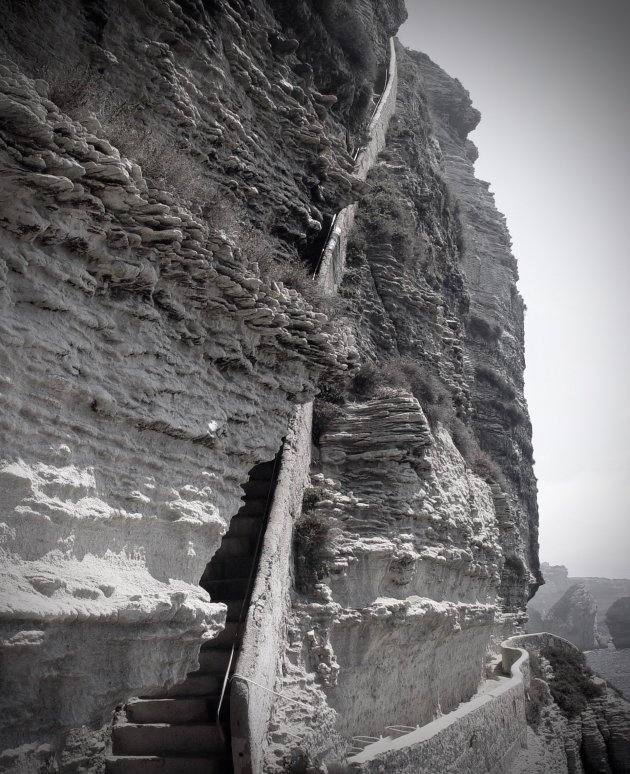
(227, 227)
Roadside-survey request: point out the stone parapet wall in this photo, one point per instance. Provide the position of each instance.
(252, 688)
(536, 641)
(482, 736)
(334, 256)
(251, 695)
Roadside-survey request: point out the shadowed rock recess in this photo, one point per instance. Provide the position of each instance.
(170, 174)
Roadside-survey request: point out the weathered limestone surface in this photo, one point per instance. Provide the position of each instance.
(372, 643)
(151, 355)
(148, 358)
(428, 556)
(251, 695)
(494, 330)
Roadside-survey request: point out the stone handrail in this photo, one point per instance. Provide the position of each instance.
(481, 736)
(252, 696)
(540, 640)
(251, 702)
(334, 255)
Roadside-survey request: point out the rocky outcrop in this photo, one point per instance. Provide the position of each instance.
(618, 621)
(493, 332)
(597, 741)
(556, 578)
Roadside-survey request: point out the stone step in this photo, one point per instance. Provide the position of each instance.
(254, 506)
(245, 526)
(224, 639)
(231, 567)
(235, 546)
(152, 764)
(213, 661)
(263, 472)
(196, 684)
(225, 590)
(256, 488)
(166, 739)
(185, 710)
(234, 609)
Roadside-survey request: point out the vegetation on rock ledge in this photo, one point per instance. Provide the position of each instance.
(571, 685)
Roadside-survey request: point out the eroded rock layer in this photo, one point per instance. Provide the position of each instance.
(156, 158)
(417, 547)
(169, 175)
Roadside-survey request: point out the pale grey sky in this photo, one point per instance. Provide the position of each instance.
(551, 79)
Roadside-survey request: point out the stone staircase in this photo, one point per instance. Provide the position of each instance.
(178, 732)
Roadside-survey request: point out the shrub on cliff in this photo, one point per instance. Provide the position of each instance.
(324, 413)
(327, 405)
(571, 685)
(538, 692)
(164, 164)
(484, 328)
(343, 22)
(292, 274)
(489, 375)
(310, 536)
(400, 373)
(70, 90)
(479, 461)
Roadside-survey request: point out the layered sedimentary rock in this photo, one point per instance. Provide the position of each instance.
(429, 531)
(596, 741)
(494, 332)
(157, 332)
(153, 154)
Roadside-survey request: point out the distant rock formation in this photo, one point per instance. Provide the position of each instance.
(572, 617)
(618, 621)
(557, 582)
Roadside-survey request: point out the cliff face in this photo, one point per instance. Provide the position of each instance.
(429, 531)
(493, 334)
(154, 166)
(161, 211)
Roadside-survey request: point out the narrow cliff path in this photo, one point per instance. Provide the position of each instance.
(186, 729)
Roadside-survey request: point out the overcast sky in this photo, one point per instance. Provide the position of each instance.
(551, 79)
